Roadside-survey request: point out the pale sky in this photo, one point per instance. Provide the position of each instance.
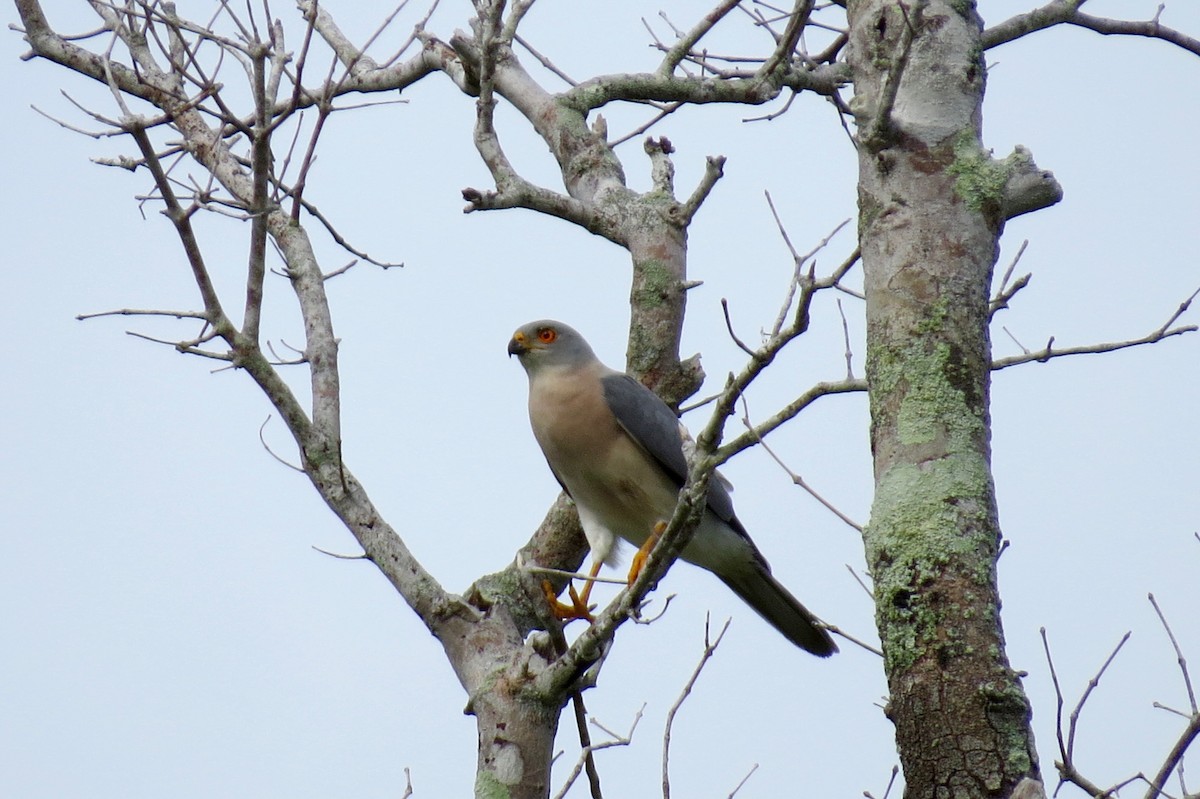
(169, 630)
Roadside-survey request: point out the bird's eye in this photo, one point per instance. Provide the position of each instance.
(547, 335)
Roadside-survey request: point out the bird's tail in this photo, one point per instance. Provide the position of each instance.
(773, 602)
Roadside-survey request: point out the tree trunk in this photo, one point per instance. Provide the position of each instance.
(931, 210)
(516, 740)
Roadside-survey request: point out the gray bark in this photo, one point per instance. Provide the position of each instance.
(931, 209)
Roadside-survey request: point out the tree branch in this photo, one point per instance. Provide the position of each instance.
(181, 219)
(686, 42)
(714, 169)
(318, 437)
(1060, 12)
(788, 412)
(1048, 352)
(742, 87)
(1027, 187)
(512, 190)
(260, 156)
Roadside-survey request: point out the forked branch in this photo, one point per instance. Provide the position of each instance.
(1067, 770)
(1174, 759)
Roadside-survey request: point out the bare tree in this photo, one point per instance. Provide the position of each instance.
(933, 204)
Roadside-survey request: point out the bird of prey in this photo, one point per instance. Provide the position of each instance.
(617, 450)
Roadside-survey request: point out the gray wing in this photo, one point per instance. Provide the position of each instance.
(653, 426)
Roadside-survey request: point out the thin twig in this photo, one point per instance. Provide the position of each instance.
(798, 261)
(796, 479)
(663, 113)
(846, 337)
(860, 582)
(838, 631)
(1011, 266)
(1058, 694)
(340, 270)
(1067, 770)
(688, 40)
(729, 327)
(263, 440)
(639, 617)
(1005, 293)
(585, 742)
(547, 571)
(143, 312)
(710, 647)
(615, 740)
(341, 556)
(545, 62)
(1179, 658)
(1174, 758)
(743, 781)
(1091, 686)
(1048, 352)
(888, 789)
(788, 412)
(184, 347)
(774, 114)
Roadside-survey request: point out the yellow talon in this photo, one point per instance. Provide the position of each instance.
(579, 607)
(561, 611)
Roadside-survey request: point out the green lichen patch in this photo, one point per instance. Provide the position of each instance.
(1008, 713)
(655, 284)
(488, 787)
(979, 179)
(937, 398)
(927, 520)
(963, 8)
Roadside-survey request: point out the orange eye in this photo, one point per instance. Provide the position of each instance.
(547, 335)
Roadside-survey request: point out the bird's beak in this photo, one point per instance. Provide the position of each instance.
(516, 345)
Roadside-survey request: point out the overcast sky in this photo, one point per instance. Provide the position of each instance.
(168, 629)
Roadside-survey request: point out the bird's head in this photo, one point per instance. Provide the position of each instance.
(546, 343)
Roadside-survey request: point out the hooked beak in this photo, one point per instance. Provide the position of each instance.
(516, 345)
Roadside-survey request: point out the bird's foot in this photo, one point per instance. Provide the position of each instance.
(579, 607)
(639, 558)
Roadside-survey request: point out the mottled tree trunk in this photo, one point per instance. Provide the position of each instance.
(931, 210)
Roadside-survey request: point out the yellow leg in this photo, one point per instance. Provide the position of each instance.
(582, 599)
(639, 559)
(579, 607)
